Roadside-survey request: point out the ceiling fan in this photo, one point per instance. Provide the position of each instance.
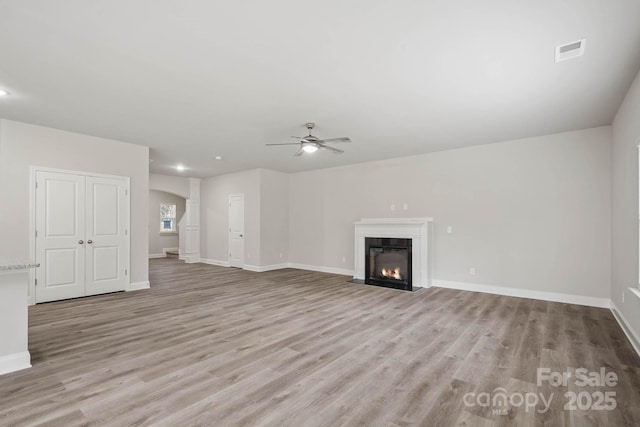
(310, 143)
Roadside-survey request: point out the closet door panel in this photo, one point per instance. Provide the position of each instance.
(60, 241)
(106, 235)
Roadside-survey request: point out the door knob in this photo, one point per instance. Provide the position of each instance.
(241, 235)
(80, 242)
(89, 241)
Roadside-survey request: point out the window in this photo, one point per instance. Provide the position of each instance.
(167, 217)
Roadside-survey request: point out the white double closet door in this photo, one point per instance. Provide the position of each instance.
(81, 235)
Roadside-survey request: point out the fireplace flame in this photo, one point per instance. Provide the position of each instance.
(395, 273)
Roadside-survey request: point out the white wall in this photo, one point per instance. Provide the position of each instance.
(529, 214)
(177, 185)
(23, 145)
(274, 217)
(266, 217)
(214, 215)
(157, 240)
(624, 222)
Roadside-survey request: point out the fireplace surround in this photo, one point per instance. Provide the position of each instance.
(419, 230)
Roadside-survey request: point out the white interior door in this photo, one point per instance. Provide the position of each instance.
(60, 241)
(106, 240)
(236, 230)
(81, 240)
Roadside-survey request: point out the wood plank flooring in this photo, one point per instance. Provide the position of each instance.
(209, 345)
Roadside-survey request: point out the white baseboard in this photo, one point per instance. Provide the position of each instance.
(215, 262)
(136, 286)
(342, 271)
(157, 256)
(15, 362)
(525, 293)
(263, 268)
(633, 337)
(192, 259)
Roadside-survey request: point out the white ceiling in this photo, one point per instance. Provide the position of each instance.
(200, 78)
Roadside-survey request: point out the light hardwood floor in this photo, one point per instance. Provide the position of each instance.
(209, 345)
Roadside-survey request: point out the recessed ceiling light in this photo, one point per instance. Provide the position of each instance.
(180, 168)
(3, 92)
(218, 157)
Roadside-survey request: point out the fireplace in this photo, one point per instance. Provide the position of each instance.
(417, 230)
(388, 262)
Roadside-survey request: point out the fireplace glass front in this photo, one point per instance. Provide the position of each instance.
(388, 262)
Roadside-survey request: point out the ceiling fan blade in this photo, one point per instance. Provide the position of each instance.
(299, 152)
(343, 139)
(285, 143)
(299, 137)
(333, 150)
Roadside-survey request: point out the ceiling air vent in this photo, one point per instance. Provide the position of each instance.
(570, 50)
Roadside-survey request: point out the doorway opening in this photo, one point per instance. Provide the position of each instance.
(236, 230)
(166, 224)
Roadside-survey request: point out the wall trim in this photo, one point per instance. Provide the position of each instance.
(525, 293)
(136, 286)
(263, 268)
(215, 262)
(332, 270)
(15, 362)
(632, 336)
(271, 267)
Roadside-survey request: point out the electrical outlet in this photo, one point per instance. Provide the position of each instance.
(449, 229)
(472, 271)
(622, 296)
(344, 259)
(405, 206)
(281, 255)
(392, 207)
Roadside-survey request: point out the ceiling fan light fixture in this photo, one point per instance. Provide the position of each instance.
(309, 147)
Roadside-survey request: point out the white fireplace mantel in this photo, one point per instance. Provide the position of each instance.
(419, 230)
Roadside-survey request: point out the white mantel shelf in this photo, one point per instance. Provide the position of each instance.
(391, 221)
(419, 230)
